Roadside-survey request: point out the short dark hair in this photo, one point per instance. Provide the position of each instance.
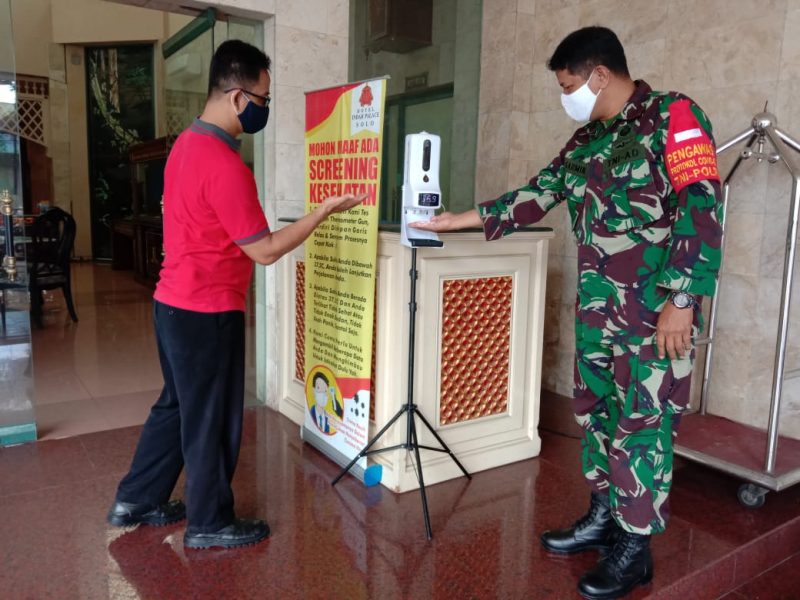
(319, 376)
(584, 49)
(236, 64)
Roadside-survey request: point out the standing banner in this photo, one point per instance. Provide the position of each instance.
(344, 137)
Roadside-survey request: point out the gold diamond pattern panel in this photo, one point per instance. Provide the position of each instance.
(300, 321)
(476, 339)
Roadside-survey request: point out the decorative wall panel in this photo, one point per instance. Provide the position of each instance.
(476, 335)
(300, 320)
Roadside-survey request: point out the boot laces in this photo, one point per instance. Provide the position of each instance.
(589, 517)
(625, 548)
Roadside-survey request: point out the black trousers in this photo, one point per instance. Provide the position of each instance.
(197, 420)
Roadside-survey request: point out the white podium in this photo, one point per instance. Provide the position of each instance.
(478, 349)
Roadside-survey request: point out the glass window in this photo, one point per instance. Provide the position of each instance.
(120, 113)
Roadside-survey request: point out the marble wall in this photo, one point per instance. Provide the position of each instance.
(731, 56)
(310, 51)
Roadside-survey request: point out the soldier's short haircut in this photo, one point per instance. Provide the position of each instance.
(584, 49)
(236, 64)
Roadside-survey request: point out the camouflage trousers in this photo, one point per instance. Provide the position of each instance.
(628, 403)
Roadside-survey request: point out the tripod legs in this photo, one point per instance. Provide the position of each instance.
(444, 446)
(411, 443)
(422, 493)
(410, 409)
(365, 451)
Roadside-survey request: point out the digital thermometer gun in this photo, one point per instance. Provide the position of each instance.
(422, 195)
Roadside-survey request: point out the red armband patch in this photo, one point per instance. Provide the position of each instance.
(690, 155)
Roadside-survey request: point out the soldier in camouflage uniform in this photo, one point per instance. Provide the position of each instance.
(641, 185)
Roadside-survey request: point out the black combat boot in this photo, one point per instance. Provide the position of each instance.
(627, 565)
(594, 531)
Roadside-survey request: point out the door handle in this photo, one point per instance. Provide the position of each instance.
(9, 260)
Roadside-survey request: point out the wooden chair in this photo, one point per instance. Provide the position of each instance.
(53, 235)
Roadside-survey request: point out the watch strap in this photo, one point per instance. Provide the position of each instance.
(693, 303)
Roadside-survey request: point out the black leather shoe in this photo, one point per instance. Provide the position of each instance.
(125, 514)
(596, 530)
(627, 565)
(242, 532)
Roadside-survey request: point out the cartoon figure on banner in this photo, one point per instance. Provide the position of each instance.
(324, 399)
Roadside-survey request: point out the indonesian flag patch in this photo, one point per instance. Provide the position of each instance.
(690, 154)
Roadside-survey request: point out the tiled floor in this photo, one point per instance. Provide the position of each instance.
(353, 543)
(780, 582)
(347, 542)
(102, 372)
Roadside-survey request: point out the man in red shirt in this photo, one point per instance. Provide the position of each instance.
(214, 229)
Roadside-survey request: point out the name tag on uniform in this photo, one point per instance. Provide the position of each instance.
(624, 150)
(575, 167)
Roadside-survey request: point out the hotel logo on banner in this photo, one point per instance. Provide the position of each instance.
(367, 103)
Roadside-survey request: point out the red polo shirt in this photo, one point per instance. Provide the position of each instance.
(211, 208)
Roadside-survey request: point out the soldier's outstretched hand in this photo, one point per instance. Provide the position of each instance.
(438, 223)
(448, 221)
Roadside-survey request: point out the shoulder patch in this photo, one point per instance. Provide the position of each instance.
(690, 155)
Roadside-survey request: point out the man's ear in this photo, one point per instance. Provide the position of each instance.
(234, 99)
(603, 76)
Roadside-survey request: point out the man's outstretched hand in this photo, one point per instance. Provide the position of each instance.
(274, 245)
(337, 204)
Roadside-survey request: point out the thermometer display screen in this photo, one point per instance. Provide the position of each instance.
(428, 199)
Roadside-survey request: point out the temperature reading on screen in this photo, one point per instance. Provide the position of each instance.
(428, 199)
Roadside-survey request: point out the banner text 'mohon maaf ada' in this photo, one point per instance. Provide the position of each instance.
(354, 169)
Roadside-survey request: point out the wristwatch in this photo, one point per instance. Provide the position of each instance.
(682, 300)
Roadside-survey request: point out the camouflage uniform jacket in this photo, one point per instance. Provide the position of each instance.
(637, 237)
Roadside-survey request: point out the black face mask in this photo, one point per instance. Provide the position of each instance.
(254, 117)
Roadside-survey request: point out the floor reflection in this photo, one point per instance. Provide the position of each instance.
(102, 372)
(353, 542)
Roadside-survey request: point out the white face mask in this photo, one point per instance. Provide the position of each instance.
(580, 103)
(321, 398)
